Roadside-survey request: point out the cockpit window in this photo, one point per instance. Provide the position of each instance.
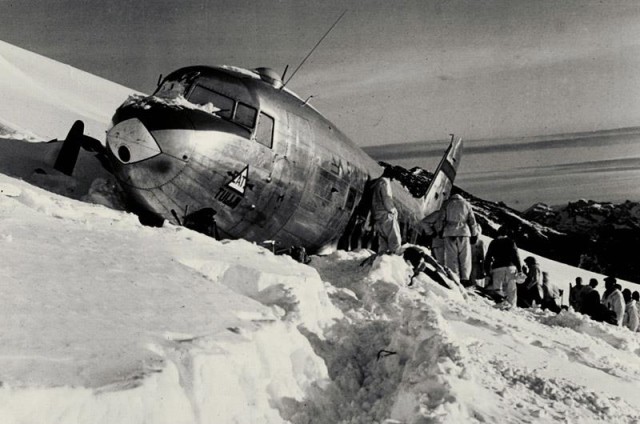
(222, 105)
(172, 88)
(245, 115)
(264, 131)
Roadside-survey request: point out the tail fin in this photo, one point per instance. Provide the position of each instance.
(442, 182)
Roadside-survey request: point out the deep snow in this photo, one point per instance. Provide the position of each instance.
(106, 321)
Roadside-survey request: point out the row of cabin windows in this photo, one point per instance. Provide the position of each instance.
(237, 112)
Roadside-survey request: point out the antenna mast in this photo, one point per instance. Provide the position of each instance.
(314, 47)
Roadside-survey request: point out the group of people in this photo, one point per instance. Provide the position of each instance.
(616, 306)
(496, 272)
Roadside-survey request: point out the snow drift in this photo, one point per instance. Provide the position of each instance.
(105, 321)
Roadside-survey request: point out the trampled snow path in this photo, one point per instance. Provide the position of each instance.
(105, 321)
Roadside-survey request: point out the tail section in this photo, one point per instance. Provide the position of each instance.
(442, 182)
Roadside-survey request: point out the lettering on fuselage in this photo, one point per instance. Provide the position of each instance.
(228, 197)
(239, 183)
(232, 193)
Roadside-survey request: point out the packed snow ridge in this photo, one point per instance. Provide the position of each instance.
(106, 321)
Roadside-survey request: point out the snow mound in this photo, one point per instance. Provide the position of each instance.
(106, 321)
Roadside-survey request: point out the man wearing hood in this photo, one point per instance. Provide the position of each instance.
(630, 320)
(612, 298)
(457, 223)
(385, 214)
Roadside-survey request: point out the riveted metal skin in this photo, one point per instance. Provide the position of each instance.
(268, 164)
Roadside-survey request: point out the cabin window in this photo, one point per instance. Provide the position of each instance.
(264, 131)
(203, 96)
(245, 115)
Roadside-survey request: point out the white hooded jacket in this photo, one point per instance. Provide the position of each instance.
(615, 302)
(631, 319)
(457, 218)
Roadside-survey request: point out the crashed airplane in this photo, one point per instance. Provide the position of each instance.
(232, 153)
(226, 151)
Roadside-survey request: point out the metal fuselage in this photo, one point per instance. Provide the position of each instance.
(268, 164)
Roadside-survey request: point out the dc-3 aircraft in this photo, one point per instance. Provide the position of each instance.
(232, 153)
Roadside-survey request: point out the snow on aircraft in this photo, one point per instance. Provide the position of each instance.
(233, 153)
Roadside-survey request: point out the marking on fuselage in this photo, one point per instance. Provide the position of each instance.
(239, 182)
(228, 197)
(232, 193)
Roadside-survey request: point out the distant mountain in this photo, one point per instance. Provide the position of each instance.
(599, 237)
(611, 233)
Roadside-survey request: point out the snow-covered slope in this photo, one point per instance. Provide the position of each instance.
(42, 98)
(105, 321)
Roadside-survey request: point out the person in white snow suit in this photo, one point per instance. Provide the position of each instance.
(437, 243)
(636, 297)
(551, 294)
(613, 300)
(385, 214)
(478, 251)
(631, 319)
(458, 227)
(502, 262)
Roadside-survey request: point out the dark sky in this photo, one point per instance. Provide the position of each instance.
(390, 72)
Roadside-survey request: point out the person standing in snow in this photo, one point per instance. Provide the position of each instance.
(533, 284)
(575, 293)
(551, 294)
(590, 299)
(631, 319)
(385, 214)
(502, 263)
(458, 227)
(636, 297)
(477, 260)
(612, 299)
(437, 243)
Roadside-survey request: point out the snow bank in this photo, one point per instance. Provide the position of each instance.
(106, 321)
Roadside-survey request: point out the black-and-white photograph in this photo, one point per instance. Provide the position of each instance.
(319, 212)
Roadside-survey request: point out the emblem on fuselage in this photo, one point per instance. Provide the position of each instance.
(232, 193)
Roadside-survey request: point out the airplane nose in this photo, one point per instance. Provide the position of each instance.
(131, 142)
(144, 158)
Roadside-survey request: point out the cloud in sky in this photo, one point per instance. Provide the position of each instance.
(578, 141)
(389, 72)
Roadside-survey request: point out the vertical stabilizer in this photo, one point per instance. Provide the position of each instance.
(442, 182)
